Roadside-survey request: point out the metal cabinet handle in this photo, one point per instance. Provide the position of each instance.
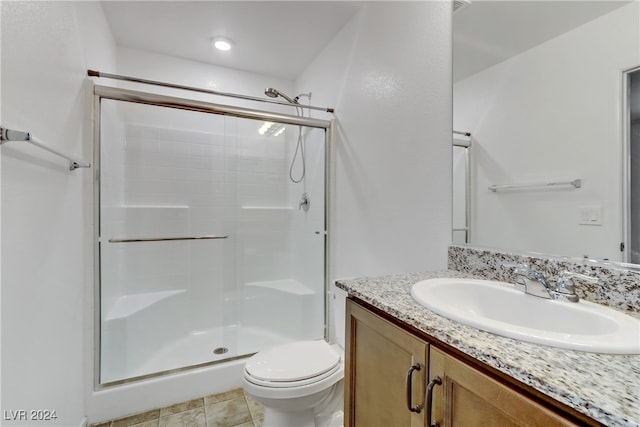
(429, 399)
(410, 406)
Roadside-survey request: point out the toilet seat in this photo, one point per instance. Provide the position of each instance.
(291, 384)
(292, 365)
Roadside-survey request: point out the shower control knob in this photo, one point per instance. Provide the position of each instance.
(304, 202)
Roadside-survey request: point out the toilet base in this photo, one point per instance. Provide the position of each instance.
(325, 409)
(275, 418)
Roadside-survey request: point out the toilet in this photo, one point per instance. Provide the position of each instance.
(300, 384)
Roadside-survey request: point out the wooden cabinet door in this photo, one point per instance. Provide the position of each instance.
(469, 398)
(378, 358)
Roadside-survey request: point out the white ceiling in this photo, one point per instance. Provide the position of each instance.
(488, 31)
(278, 38)
(281, 38)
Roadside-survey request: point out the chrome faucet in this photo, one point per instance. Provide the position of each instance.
(533, 281)
(536, 284)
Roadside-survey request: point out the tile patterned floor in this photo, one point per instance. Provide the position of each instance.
(229, 409)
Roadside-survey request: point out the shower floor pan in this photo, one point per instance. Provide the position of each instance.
(198, 348)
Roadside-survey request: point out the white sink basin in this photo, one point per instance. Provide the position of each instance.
(499, 308)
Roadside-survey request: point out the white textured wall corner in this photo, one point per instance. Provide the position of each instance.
(388, 75)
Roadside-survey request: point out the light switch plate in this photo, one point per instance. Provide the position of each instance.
(590, 215)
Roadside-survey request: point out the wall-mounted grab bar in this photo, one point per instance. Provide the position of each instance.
(164, 239)
(576, 183)
(7, 135)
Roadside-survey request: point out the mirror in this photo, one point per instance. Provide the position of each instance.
(541, 87)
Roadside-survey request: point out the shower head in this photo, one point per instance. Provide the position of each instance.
(271, 92)
(274, 93)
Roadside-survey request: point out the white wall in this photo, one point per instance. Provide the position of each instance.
(46, 49)
(551, 113)
(388, 75)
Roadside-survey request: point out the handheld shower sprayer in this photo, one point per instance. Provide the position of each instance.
(274, 93)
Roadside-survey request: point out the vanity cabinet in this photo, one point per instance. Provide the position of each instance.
(381, 361)
(381, 386)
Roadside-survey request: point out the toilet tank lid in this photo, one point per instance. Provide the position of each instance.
(293, 362)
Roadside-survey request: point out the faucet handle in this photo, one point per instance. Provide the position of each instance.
(525, 270)
(521, 269)
(565, 281)
(304, 202)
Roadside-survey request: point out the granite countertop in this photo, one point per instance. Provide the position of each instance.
(604, 387)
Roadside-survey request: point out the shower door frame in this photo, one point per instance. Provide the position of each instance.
(466, 145)
(625, 245)
(137, 97)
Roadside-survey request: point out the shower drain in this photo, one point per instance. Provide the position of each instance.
(220, 350)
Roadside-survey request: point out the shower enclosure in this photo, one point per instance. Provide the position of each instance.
(204, 255)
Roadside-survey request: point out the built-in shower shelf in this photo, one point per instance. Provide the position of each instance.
(289, 286)
(127, 305)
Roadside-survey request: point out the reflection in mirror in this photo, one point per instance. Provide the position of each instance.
(633, 116)
(540, 87)
(461, 188)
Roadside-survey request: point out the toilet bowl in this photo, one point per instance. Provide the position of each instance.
(299, 384)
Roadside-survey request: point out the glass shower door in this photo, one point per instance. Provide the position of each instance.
(206, 253)
(281, 241)
(167, 237)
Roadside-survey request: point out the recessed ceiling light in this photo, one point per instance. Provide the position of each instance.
(222, 43)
